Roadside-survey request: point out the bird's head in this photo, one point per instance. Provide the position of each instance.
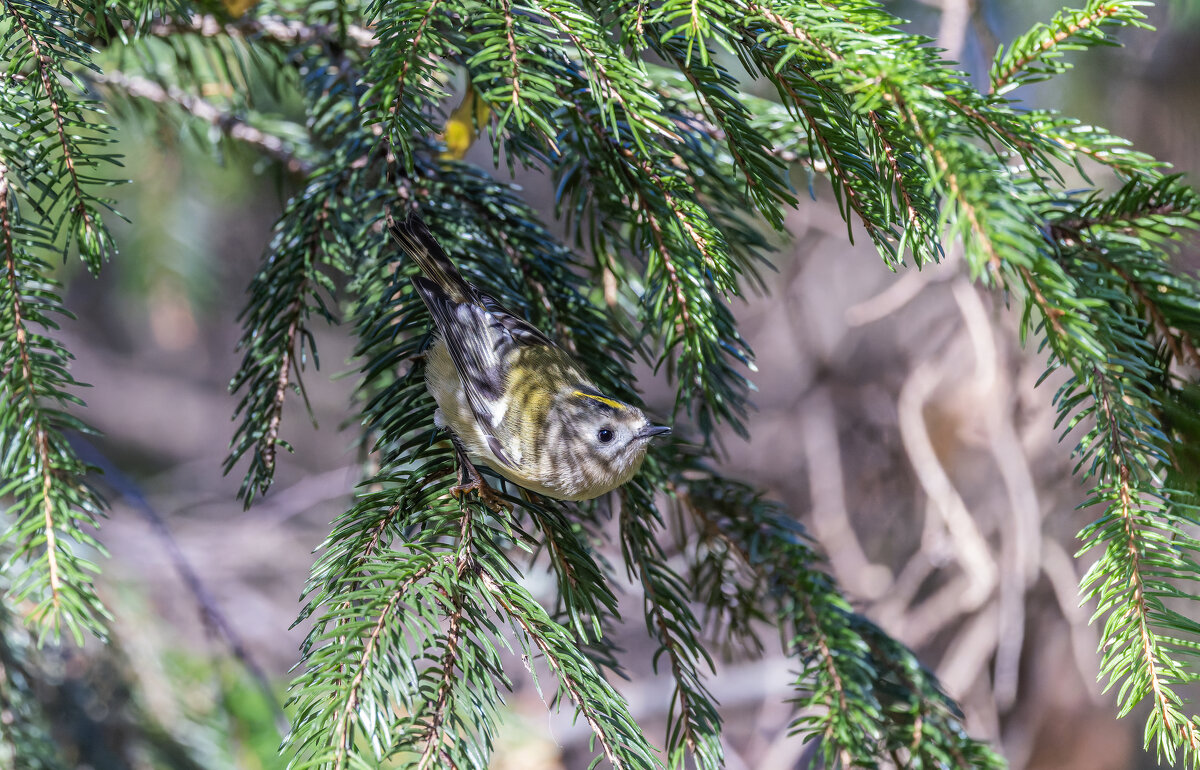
(608, 439)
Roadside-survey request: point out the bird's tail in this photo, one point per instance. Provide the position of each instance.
(414, 237)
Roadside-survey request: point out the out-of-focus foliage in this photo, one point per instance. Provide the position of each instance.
(66, 709)
(663, 166)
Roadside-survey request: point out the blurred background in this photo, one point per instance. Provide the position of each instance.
(897, 417)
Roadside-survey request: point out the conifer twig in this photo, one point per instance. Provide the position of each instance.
(342, 734)
(29, 386)
(582, 703)
(48, 88)
(1002, 77)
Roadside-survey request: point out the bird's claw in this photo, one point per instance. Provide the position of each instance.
(469, 480)
(486, 494)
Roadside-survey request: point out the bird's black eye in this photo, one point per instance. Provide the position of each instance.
(605, 435)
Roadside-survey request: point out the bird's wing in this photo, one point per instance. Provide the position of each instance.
(521, 331)
(480, 336)
(480, 333)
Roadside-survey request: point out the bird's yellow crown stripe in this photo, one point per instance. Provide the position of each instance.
(601, 399)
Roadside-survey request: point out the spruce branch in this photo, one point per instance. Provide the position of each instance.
(857, 690)
(689, 263)
(965, 177)
(28, 387)
(343, 735)
(422, 29)
(66, 137)
(1180, 343)
(615, 729)
(277, 336)
(53, 95)
(693, 725)
(434, 737)
(1095, 143)
(1128, 603)
(844, 181)
(1090, 304)
(588, 603)
(1052, 315)
(406, 66)
(314, 242)
(995, 121)
(510, 82)
(1036, 55)
(53, 507)
(974, 213)
(514, 59)
(912, 217)
(374, 612)
(767, 121)
(835, 127)
(612, 78)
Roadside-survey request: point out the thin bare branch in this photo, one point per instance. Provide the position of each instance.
(231, 125)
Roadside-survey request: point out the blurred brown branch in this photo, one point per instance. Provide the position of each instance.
(287, 31)
(231, 125)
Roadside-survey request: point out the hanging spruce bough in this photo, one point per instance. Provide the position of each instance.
(52, 164)
(663, 166)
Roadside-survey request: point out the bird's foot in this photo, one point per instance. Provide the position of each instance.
(470, 480)
(487, 495)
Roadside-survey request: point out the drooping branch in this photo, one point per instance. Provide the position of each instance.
(26, 399)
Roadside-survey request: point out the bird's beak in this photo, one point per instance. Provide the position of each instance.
(650, 431)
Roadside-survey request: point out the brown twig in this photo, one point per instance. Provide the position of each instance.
(277, 28)
(1024, 145)
(414, 49)
(897, 174)
(513, 57)
(1070, 228)
(1049, 312)
(952, 180)
(231, 125)
(465, 562)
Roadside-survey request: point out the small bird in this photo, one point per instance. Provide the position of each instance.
(513, 399)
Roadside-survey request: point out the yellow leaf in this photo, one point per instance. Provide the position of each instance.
(464, 124)
(236, 8)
